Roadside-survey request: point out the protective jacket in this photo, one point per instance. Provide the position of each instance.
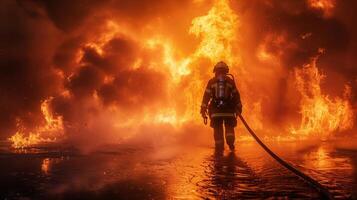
(221, 97)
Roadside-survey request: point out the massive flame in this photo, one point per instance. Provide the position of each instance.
(321, 115)
(217, 35)
(217, 32)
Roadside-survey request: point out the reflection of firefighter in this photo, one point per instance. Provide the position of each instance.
(222, 101)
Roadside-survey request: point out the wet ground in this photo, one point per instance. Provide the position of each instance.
(194, 172)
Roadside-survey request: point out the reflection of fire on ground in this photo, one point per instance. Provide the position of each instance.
(165, 83)
(47, 164)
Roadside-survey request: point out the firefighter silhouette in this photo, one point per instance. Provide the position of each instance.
(221, 101)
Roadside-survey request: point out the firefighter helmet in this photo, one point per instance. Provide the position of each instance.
(221, 66)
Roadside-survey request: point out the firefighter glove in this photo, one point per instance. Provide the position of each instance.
(203, 111)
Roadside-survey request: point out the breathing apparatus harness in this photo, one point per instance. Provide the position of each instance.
(221, 97)
(220, 101)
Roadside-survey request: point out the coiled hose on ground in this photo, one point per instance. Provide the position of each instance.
(320, 188)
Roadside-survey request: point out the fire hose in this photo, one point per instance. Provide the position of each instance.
(320, 188)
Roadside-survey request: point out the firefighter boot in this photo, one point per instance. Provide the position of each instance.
(218, 138)
(230, 137)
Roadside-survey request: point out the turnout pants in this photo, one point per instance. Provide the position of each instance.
(217, 125)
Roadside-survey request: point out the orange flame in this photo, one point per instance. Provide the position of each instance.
(321, 115)
(52, 129)
(217, 30)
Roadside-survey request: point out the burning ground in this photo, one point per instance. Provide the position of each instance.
(93, 72)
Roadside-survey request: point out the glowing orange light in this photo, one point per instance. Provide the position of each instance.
(45, 166)
(326, 6)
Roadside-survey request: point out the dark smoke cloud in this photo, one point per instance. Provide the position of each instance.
(134, 88)
(65, 55)
(295, 19)
(68, 15)
(41, 38)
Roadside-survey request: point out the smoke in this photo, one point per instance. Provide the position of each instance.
(109, 66)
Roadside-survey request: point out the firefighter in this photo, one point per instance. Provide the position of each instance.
(221, 101)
